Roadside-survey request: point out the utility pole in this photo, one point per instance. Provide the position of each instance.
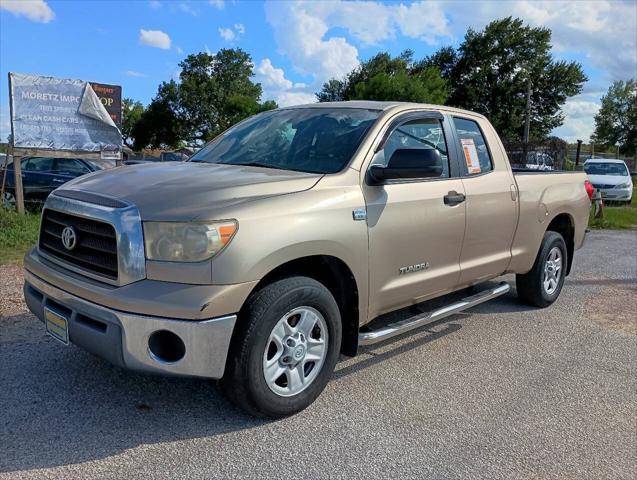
(527, 119)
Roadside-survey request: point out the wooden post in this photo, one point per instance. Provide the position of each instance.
(579, 148)
(17, 174)
(5, 167)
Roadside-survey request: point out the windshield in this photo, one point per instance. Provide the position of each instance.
(599, 168)
(316, 140)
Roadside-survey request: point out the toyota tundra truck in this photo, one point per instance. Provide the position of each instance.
(286, 240)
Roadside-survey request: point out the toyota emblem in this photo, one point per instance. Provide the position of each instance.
(69, 238)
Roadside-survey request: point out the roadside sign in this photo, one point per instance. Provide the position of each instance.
(111, 98)
(63, 114)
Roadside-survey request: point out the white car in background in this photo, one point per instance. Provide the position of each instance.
(611, 177)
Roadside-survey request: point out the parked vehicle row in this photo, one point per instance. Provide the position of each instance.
(42, 175)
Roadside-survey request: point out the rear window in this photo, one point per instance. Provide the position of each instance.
(474, 147)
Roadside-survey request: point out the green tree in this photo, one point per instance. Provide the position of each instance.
(491, 72)
(132, 112)
(214, 92)
(616, 121)
(162, 124)
(385, 78)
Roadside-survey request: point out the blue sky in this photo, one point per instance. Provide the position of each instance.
(295, 45)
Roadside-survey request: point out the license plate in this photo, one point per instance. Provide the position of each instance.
(56, 325)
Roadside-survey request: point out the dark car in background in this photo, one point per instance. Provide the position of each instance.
(163, 157)
(42, 175)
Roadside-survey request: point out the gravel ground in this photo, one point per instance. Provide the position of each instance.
(504, 391)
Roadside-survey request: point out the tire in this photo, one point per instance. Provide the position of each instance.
(263, 337)
(8, 200)
(541, 286)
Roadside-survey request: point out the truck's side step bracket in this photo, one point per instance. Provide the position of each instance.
(409, 324)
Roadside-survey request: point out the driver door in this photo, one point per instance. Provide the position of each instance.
(415, 237)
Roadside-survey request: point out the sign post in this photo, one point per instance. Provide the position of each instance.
(57, 117)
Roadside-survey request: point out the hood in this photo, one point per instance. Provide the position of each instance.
(608, 179)
(183, 191)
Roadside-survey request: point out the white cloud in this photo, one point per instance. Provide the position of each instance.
(187, 8)
(230, 34)
(154, 4)
(35, 10)
(602, 31)
(154, 38)
(579, 123)
(280, 89)
(219, 4)
(179, 50)
(300, 33)
(227, 34)
(302, 28)
(134, 73)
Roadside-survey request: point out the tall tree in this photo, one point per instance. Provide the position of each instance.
(492, 69)
(616, 121)
(214, 92)
(385, 78)
(162, 124)
(132, 112)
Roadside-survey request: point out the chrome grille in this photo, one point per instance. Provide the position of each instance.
(96, 247)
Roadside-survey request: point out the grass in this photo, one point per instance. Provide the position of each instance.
(616, 217)
(17, 234)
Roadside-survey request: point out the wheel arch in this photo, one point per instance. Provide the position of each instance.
(564, 224)
(338, 278)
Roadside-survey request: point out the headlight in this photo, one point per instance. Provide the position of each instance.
(186, 242)
(623, 185)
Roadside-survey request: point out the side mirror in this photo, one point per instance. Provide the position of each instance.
(408, 163)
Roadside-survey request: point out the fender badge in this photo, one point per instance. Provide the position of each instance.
(359, 214)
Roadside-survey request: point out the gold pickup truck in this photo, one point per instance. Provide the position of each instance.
(271, 251)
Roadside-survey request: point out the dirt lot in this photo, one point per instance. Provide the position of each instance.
(504, 391)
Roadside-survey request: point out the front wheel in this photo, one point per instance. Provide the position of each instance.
(542, 285)
(8, 200)
(285, 348)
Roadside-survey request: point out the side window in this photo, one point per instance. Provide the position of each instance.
(420, 134)
(39, 164)
(474, 147)
(70, 166)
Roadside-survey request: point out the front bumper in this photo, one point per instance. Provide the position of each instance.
(616, 194)
(123, 338)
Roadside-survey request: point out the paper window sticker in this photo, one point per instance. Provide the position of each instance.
(471, 155)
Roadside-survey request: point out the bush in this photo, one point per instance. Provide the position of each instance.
(17, 234)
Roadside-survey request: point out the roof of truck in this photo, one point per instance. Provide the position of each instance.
(374, 105)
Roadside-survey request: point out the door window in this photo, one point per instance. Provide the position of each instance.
(422, 134)
(39, 164)
(474, 148)
(70, 166)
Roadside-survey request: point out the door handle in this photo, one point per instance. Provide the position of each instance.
(453, 198)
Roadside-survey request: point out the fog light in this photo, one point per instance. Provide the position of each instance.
(166, 347)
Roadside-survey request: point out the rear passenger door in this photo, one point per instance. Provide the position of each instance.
(491, 201)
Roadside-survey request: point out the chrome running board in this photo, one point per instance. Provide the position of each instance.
(409, 324)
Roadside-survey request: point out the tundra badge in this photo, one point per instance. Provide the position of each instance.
(414, 268)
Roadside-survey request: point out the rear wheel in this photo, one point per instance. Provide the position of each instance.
(285, 348)
(542, 285)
